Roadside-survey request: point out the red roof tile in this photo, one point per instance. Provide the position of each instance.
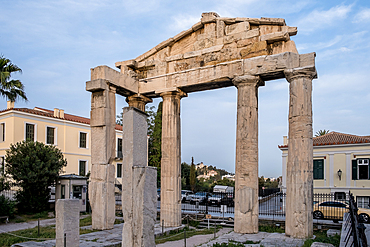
(336, 138)
(50, 113)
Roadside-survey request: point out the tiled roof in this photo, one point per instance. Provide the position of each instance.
(50, 113)
(336, 138)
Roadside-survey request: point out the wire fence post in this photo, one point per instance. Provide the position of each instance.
(185, 237)
(38, 227)
(215, 231)
(162, 226)
(65, 239)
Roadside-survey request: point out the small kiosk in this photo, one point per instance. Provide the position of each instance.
(73, 187)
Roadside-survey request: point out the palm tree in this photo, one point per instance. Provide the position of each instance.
(321, 132)
(10, 89)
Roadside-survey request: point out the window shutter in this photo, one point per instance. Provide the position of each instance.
(368, 167)
(354, 169)
(320, 169)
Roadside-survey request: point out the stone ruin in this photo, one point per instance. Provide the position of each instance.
(214, 53)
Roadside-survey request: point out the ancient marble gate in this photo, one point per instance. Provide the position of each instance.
(215, 52)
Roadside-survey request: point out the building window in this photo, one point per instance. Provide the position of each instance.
(50, 135)
(119, 171)
(339, 196)
(82, 168)
(318, 169)
(363, 201)
(360, 169)
(2, 132)
(83, 140)
(119, 148)
(77, 191)
(30, 132)
(63, 191)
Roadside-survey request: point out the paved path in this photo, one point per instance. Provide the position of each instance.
(113, 237)
(195, 240)
(11, 227)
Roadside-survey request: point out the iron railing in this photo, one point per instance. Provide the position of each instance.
(353, 228)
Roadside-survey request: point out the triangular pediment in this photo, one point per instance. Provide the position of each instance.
(215, 40)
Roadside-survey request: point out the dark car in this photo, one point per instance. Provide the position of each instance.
(200, 197)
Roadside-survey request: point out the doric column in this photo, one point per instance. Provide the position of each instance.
(101, 187)
(246, 160)
(299, 181)
(138, 101)
(171, 159)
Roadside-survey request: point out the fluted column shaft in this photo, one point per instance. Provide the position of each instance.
(299, 179)
(246, 161)
(171, 160)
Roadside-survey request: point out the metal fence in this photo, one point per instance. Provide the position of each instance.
(325, 206)
(354, 230)
(10, 194)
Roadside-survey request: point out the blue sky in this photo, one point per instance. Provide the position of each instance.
(56, 42)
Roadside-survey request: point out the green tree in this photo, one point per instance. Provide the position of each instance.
(154, 121)
(10, 89)
(33, 166)
(185, 176)
(193, 177)
(261, 182)
(322, 132)
(155, 140)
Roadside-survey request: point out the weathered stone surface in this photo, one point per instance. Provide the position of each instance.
(101, 188)
(299, 221)
(138, 101)
(139, 182)
(67, 222)
(102, 202)
(275, 37)
(237, 28)
(209, 17)
(134, 144)
(246, 160)
(282, 46)
(220, 28)
(102, 173)
(257, 48)
(103, 107)
(171, 160)
(175, 57)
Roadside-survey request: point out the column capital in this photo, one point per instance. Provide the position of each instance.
(139, 101)
(309, 72)
(248, 79)
(176, 92)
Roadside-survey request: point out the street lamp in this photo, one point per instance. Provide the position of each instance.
(340, 174)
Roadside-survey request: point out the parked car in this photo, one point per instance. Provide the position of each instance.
(200, 197)
(215, 199)
(228, 200)
(334, 210)
(185, 195)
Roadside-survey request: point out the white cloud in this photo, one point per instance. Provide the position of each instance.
(319, 19)
(362, 16)
(183, 22)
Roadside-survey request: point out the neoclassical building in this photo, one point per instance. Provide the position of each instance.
(340, 164)
(70, 133)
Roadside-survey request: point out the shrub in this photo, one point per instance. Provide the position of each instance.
(6, 206)
(33, 166)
